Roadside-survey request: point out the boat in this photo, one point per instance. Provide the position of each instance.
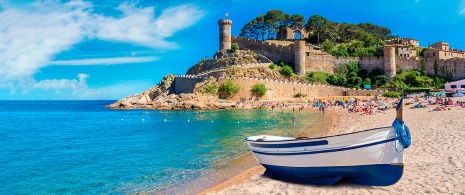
(369, 157)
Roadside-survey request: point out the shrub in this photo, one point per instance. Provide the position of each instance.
(298, 95)
(272, 66)
(228, 87)
(259, 89)
(367, 81)
(287, 71)
(391, 94)
(381, 80)
(234, 47)
(342, 80)
(332, 79)
(211, 88)
(318, 77)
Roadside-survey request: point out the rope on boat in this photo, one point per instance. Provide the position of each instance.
(402, 134)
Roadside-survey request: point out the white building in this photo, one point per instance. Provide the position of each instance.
(453, 86)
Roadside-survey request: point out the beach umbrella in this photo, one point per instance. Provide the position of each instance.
(458, 94)
(381, 104)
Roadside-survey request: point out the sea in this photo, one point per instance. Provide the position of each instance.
(80, 147)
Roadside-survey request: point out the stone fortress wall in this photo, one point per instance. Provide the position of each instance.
(390, 63)
(281, 89)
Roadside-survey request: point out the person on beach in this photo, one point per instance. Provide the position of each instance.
(322, 108)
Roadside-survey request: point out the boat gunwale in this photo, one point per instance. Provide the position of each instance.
(312, 138)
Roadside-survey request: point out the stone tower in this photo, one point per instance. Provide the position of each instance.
(389, 60)
(225, 33)
(299, 57)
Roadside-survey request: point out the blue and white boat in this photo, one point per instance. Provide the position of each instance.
(369, 157)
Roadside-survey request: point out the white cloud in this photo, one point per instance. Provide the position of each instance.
(462, 8)
(104, 61)
(29, 40)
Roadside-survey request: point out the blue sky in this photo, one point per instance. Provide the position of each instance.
(108, 49)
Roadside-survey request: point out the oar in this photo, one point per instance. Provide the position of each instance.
(400, 110)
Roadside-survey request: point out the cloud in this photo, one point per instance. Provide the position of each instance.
(29, 40)
(104, 61)
(462, 8)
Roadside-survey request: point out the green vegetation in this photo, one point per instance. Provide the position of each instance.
(234, 47)
(298, 95)
(435, 67)
(287, 71)
(272, 66)
(259, 89)
(211, 88)
(229, 87)
(391, 94)
(352, 39)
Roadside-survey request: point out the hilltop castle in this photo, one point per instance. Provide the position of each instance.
(398, 54)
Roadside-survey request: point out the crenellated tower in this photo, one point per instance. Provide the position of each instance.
(225, 33)
(299, 57)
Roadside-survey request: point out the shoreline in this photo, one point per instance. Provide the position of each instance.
(330, 122)
(435, 155)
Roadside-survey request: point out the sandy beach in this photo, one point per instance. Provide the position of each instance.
(434, 163)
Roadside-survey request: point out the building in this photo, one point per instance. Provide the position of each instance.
(441, 51)
(404, 41)
(453, 86)
(405, 50)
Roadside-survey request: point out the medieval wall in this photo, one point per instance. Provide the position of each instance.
(456, 65)
(330, 64)
(270, 50)
(185, 83)
(279, 89)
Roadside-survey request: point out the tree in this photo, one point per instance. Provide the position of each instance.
(287, 71)
(229, 87)
(332, 79)
(234, 47)
(381, 80)
(353, 66)
(327, 45)
(435, 67)
(259, 89)
(297, 21)
(318, 24)
(342, 80)
(375, 72)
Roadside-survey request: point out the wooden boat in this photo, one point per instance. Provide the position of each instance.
(369, 157)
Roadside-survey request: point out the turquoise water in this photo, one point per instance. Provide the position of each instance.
(79, 147)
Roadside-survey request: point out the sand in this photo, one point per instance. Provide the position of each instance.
(434, 163)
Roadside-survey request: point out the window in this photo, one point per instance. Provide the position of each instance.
(434, 53)
(453, 86)
(408, 55)
(427, 55)
(445, 54)
(462, 86)
(401, 48)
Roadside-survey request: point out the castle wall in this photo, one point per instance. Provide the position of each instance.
(279, 89)
(270, 50)
(456, 65)
(186, 84)
(326, 63)
(408, 63)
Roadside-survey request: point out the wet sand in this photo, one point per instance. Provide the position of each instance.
(434, 163)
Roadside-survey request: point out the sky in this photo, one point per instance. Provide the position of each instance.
(109, 49)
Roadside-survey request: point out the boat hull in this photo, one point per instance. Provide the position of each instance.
(373, 175)
(370, 157)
